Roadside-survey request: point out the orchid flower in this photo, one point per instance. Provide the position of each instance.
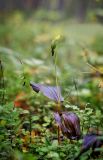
(92, 141)
(69, 124)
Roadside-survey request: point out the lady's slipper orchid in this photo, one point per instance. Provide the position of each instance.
(69, 124)
(92, 141)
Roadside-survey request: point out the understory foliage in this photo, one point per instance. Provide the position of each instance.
(30, 57)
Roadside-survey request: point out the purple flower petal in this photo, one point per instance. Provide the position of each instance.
(51, 92)
(91, 141)
(36, 87)
(57, 118)
(72, 123)
(69, 124)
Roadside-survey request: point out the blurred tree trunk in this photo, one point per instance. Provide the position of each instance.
(61, 4)
(19, 4)
(2, 4)
(27, 4)
(31, 4)
(81, 9)
(36, 4)
(10, 5)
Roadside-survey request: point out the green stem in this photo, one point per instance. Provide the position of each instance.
(58, 135)
(30, 129)
(56, 78)
(58, 105)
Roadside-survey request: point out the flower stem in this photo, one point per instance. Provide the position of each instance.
(56, 79)
(30, 127)
(58, 135)
(57, 85)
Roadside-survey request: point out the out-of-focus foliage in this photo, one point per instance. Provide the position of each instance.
(97, 44)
